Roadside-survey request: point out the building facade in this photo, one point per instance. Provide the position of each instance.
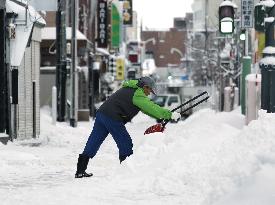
(166, 47)
(22, 70)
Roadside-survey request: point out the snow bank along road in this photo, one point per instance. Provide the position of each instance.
(211, 158)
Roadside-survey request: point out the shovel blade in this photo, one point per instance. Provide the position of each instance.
(155, 128)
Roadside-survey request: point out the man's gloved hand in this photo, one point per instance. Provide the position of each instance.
(175, 116)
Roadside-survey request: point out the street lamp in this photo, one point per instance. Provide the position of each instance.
(242, 35)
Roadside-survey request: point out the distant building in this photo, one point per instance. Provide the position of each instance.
(169, 45)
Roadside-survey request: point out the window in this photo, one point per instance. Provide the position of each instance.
(160, 100)
(173, 99)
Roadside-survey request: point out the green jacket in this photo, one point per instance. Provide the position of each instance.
(125, 103)
(146, 106)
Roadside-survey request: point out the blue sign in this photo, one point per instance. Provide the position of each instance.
(184, 77)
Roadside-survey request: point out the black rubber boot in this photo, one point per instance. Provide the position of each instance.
(82, 166)
(122, 158)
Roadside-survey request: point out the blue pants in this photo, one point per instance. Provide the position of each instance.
(102, 127)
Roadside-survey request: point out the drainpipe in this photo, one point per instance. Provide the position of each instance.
(74, 95)
(61, 60)
(3, 69)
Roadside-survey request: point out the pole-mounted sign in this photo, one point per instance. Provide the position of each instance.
(102, 24)
(247, 8)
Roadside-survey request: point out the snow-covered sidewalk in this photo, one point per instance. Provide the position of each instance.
(209, 159)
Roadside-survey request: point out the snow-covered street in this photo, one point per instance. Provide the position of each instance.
(209, 159)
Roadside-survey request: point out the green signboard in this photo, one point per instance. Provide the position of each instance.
(115, 27)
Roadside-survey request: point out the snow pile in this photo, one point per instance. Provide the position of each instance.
(226, 51)
(210, 158)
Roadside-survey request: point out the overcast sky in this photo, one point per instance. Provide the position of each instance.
(160, 13)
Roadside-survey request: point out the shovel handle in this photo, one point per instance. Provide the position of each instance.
(187, 102)
(194, 105)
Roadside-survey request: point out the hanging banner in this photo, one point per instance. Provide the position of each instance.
(120, 64)
(127, 12)
(102, 24)
(115, 40)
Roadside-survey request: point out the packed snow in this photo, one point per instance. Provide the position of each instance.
(209, 159)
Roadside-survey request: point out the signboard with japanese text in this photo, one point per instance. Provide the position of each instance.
(120, 69)
(127, 12)
(102, 24)
(247, 8)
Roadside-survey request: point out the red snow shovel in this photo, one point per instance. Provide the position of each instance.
(161, 126)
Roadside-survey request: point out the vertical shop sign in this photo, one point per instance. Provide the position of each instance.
(120, 67)
(102, 25)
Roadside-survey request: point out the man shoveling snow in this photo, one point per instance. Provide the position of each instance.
(114, 113)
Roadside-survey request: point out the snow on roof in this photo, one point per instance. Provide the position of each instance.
(17, 8)
(47, 67)
(227, 88)
(227, 3)
(22, 30)
(226, 51)
(49, 33)
(269, 50)
(268, 60)
(269, 19)
(187, 58)
(254, 77)
(267, 3)
(103, 51)
(3, 135)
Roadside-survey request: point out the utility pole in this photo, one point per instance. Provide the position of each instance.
(246, 24)
(267, 64)
(74, 91)
(206, 43)
(91, 60)
(3, 69)
(61, 57)
(205, 26)
(220, 78)
(91, 84)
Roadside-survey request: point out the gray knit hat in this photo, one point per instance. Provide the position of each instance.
(150, 82)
